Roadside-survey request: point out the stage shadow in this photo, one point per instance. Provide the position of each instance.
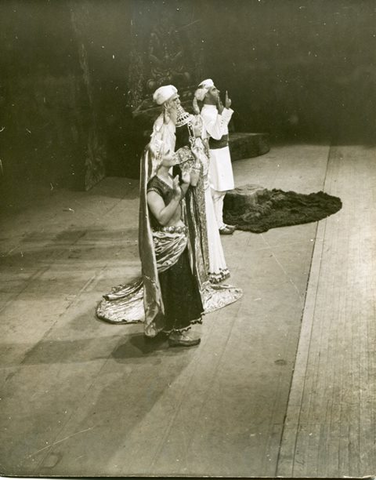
(138, 345)
(129, 349)
(71, 245)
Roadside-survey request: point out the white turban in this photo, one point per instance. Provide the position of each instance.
(208, 83)
(203, 89)
(200, 93)
(162, 94)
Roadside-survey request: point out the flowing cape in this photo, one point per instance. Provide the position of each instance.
(152, 296)
(141, 300)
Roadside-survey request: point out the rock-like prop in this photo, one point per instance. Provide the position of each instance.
(255, 209)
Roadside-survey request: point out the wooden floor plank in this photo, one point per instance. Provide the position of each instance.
(332, 378)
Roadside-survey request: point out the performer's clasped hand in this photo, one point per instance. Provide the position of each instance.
(186, 177)
(176, 187)
(195, 174)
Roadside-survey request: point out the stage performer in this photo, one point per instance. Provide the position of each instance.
(216, 118)
(178, 303)
(193, 150)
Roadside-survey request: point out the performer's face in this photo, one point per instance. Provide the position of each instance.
(169, 160)
(172, 107)
(213, 94)
(175, 100)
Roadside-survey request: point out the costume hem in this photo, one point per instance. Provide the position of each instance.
(184, 329)
(218, 277)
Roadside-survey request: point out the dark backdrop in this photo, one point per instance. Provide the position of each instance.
(300, 70)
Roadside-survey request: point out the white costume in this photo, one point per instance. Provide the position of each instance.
(221, 176)
(218, 270)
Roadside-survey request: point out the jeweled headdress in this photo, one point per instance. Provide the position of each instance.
(183, 117)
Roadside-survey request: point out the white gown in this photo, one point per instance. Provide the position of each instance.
(218, 270)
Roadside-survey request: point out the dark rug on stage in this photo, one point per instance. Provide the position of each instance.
(256, 209)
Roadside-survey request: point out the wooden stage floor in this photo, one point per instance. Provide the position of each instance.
(283, 382)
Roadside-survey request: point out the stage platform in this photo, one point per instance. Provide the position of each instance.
(282, 382)
(248, 145)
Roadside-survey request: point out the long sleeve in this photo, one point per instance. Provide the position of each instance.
(216, 124)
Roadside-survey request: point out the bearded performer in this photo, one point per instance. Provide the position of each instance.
(193, 150)
(148, 298)
(165, 127)
(216, 118)
(185, 131)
